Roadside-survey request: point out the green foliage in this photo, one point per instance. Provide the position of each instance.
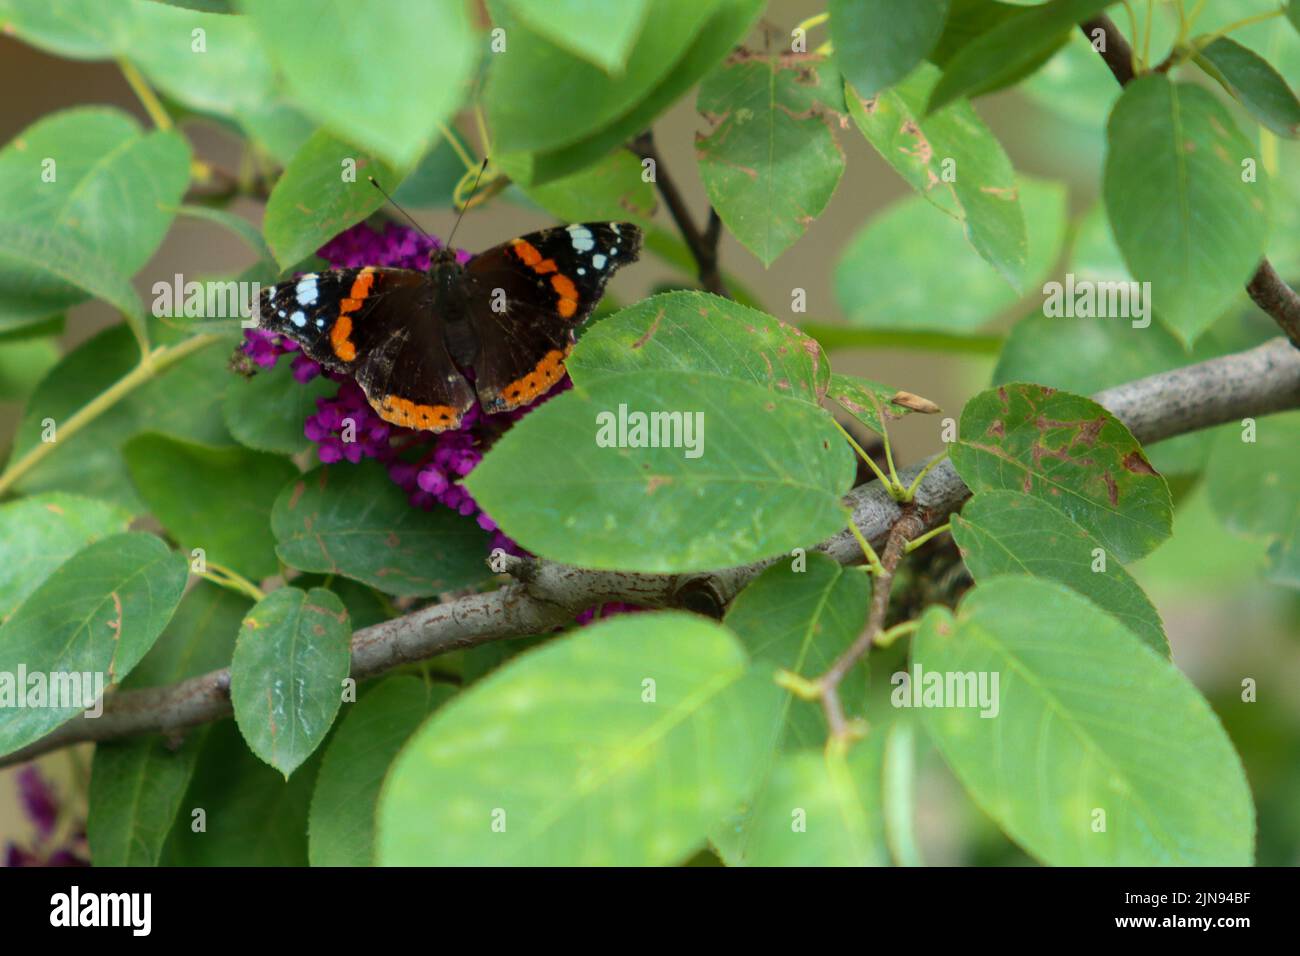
(1071, 453)
(952, 159)
(216, 499)
(286, 679)
(1101, 753)
(355, 522)
(771, 162)
(96, 614)
(662, 737)
(950, 288)
(1182, 214)
(665, 705)
(341, 828)
(872, 59)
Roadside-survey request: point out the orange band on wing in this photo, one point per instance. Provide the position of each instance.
(409, 414)
(530, 257)
(341, 330)
(340, 340)
(568, 293)
(537, 382)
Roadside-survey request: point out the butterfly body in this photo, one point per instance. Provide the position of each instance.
(425, 345)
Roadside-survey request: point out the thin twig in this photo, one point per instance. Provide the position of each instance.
(908, 526)
(703, 245)
(1266, 287)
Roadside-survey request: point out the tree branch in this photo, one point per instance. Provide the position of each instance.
(1266, 287)
(703, 246)
(545, 595)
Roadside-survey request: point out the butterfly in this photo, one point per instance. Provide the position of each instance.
(424, 346)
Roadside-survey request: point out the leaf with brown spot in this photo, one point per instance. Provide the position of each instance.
(1071, 453)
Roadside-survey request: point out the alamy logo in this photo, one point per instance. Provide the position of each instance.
(206, 300)
(944, 689)
(57, 689)
(683, 430)
(1086, 299)
(103, 909)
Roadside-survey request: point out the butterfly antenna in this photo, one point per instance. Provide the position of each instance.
(472, 190)
(374, 182)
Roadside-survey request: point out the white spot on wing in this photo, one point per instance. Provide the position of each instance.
(299, 318)
(581, 237)
(305, 290)
(598, 261)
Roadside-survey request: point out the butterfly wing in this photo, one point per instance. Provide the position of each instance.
(526, 298)
(378, 326)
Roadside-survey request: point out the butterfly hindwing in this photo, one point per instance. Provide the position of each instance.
(376, 325)
(527, 296)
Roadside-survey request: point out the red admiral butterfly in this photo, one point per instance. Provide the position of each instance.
(508, 315)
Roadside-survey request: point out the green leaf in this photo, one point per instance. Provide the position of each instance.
(1249, 77)
(771, 160)
(251, 815)
(699, 332)
(93, 176)
(136, 788)
(432, 182)
(352, 520)
(199, 638)
(1089, 721)
(822, 808)
(1010, 50)
(342, 822)
(23, 363)
(533, 74)
(1005, 532)
(947, 286)
(591, 29)
(1071, 453)
(1181, 214)
(268, 411)
(1293, 13)
(621, 743)
(313, 201)
(610, 189)
(67, 28)
(954, 160)
(659, 509)
(40, 532)
(1254, 487)
(95, 616)
(286, 679)
(878, 42)
(328, 55)
(238, 225)
(801, 621)
(49, 262)
(216, 499)
(727, 25)
(183, 402)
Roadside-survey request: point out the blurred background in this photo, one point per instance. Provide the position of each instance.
(1224, 624)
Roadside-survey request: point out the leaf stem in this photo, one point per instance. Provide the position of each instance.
(233, 580)
(458, 148)
(933, 532)
(880, 475)
(145, 94)
(910, 493)
(153, 364)
(873, 559)
(898, 630)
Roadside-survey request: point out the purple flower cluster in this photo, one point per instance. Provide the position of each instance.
(41, 805)
(428, 467)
